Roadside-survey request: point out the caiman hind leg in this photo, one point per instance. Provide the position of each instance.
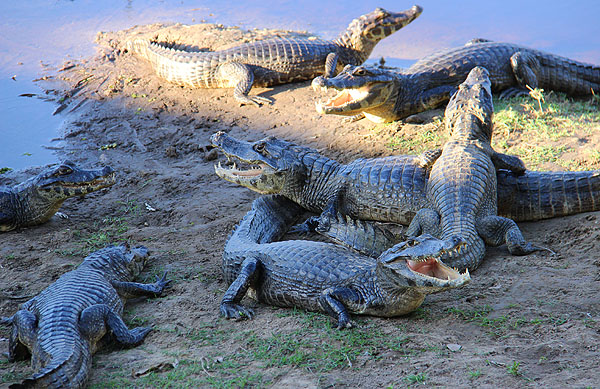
(22, 336)
(526, 68)
(96, 320)
(241, 77)
(129, 290)
(496, 230)
(230, 307)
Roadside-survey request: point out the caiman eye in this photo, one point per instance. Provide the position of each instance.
(259, 147)
(359, 72)
(64, 170)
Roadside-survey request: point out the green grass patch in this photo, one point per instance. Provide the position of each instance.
(107, 231)
(499, 326)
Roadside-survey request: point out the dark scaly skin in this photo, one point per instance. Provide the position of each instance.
(325, 277)
(67, 322)
(384, 96)
(392, 189)
(36, 200)
(274, 61)
(462, 187)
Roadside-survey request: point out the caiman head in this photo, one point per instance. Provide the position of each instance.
(276, 166)
(470, 110)
(366, 31)
(416, 264)
(67, 180)
(121, 262)
(361, 89)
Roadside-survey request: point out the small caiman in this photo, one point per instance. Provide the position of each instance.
(36, 200)
(384, 96)
(391, 189)
(462, 187)
(273, 61)
(69, 320)
(326, 277)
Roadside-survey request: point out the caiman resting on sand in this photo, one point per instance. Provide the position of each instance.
(325, 277)
(384, 96)
(76, 315)
(274, 61)
(36, 200)
(462, 181)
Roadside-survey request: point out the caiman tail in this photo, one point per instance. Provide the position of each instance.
(270, 218)
(63, 371)
(171, 63)
(542, 195)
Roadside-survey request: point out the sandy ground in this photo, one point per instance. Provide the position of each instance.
(522, 321)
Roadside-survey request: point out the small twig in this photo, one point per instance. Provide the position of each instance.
(204, 368)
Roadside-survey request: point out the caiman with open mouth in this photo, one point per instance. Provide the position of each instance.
(384, 96)
(326, 277)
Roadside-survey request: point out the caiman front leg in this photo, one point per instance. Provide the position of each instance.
(426, 221)
(526, 69)
(22, 336)
(496, 230)
(230, 307)
(334, 301)
(135, 289)
(96, 320)
(241, 77)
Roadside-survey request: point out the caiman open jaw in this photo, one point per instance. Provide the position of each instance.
(260, 177)
(422, 257)
(360, 89)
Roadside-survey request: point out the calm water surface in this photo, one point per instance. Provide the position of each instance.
(51, 31)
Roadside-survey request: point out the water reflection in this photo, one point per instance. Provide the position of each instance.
(36, 30)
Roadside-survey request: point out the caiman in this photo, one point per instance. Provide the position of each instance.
(69, 320)
(36, 200)
(273, 61)
(325, 277)
(391, 189)
(384, 96)
(462, 185)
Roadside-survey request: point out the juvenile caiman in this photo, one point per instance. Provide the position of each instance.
(462, 187)
(384, 96)
(69, 320)
(325, 277)
(36, 200)
(274, 61)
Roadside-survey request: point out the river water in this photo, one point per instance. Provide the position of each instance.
(36, 32)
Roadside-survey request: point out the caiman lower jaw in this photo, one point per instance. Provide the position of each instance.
(234, 172)
(346, 102)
